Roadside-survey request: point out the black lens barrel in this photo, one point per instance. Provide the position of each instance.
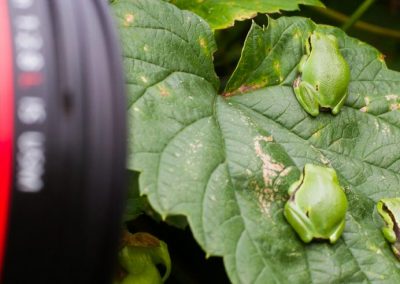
(65, 219)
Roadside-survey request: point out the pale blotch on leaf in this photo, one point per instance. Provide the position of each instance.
(277, 68)
(297, 34)
(367, 100)
(146, 48)
(391, 97)
(129, 18)
(203, 43)
(317, 134)
(163, 91)
(394, 106)
(324, 160)
(270, 168)
(364, 109)
(196, 146)
(386, 131)
(144, 79)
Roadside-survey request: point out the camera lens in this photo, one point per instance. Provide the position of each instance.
(62, 141)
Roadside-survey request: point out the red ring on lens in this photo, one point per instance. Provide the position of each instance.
(6, 122)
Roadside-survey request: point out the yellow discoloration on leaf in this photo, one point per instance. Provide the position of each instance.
(367, 100)
(277, 68)
(364, 109)
(146, 48)
(203, 43)
(297, 34)
(381, 57)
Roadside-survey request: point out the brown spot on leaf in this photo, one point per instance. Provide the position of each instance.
(244, 89)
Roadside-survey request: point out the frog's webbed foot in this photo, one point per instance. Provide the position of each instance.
(307, 97)
(299, 221)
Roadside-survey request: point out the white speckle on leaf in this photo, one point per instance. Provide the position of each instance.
(386, 130)
(194, 147)
(144, 79)
(324, 160)
(391, 97)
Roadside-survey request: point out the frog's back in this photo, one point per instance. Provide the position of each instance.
(326, 195)
(328, 72)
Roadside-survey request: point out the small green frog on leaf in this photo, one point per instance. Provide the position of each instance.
(324, 75)
(389, 209)
(317, 205)
(138, 258)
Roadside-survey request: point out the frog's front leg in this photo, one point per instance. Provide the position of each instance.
(307, 97)
(302, 63)
(299, 222)
(337, 108)
(337, 233)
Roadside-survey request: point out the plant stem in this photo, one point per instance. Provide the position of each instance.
(374, 29)
(357, 14)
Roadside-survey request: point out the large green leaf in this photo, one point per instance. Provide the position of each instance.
(221, 14)
(225, 162)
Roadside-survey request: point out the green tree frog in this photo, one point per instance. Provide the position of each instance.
(139, 257)
(317, 205)
(389, 209)
(324, 75)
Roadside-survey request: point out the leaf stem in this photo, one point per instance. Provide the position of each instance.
(357, 14)
(374, 29)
